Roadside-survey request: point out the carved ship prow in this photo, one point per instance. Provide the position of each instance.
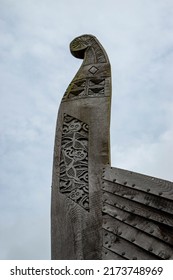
(100, 212)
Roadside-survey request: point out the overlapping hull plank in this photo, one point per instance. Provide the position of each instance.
(136, 213)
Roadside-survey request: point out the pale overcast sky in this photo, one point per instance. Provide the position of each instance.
(35, 69)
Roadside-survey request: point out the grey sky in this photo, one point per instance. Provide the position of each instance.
(35, 69)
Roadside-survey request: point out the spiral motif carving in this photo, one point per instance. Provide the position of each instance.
(88, 43)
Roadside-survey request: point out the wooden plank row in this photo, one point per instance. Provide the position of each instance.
(140, 209)
(125, 248)
(139, 181)
(162, 232)
(154, 201)
(137, 237)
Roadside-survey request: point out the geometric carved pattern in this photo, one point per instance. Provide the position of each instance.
(86, 88)
(74, 161)
(93, 70)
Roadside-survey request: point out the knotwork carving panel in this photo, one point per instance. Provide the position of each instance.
(74, 161)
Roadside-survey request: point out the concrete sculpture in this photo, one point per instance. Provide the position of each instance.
(100, 212)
